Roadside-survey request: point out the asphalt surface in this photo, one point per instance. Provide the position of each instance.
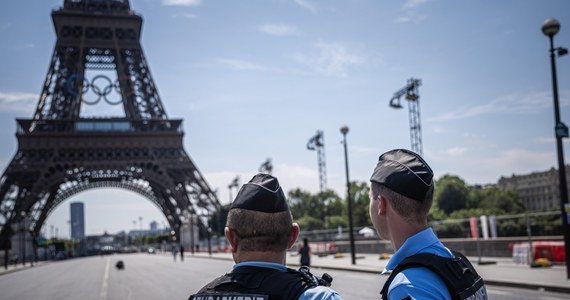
(495, 271)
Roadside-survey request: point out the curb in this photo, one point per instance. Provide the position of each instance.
(12, 270)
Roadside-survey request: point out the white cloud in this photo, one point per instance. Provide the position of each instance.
(219, 182)
(365, 150)
(308, 5)
(545, 140)
(18, 102)
(185, 15)
(410, 17)
(520, 161)
(181, 2)
(455, 151)
(332, 59)
(296, 176)
(439, 130)
(240, 64)
(403, 19)
(483, 168)
(410, 4)
(514, 103)
(410, 12)
(278, 29)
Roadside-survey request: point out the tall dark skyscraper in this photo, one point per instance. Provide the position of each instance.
(77, 220)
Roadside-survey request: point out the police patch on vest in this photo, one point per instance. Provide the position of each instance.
(229, 296)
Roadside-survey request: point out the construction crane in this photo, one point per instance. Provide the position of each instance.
(412, 95)
(317, 142)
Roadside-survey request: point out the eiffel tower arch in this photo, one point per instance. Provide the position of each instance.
(61, 153)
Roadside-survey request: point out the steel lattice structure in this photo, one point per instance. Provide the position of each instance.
(317, 142)
(61, 153)
(413, 96)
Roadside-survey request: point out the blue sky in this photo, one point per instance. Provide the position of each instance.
(256, 79)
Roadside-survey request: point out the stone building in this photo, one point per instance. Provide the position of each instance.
(539, 191)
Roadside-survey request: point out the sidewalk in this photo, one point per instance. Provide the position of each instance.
(504, 273)
(18, 267)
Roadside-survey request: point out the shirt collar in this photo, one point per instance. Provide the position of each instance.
(411, 246)
(261, 264)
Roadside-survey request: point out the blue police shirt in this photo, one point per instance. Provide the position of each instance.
(420, 282)
(315, 293)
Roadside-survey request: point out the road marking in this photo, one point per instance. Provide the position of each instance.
(103, 295)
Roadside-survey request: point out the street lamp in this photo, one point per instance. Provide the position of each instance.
(344, 131)
(550, 28)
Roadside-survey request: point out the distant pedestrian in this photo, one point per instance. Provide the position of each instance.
(174, 250)
(181, 253)
(305, 252)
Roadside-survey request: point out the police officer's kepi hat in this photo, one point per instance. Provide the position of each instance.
(262, 193)
(404, 172)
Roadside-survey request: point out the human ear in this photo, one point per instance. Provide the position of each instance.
(232, 238)
(294, 235)
(382, 205)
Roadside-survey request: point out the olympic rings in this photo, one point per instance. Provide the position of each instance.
(124, 86)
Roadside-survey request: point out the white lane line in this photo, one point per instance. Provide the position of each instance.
(103, 295)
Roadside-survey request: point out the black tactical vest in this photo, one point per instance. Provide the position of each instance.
(458, 273)
(257, 283)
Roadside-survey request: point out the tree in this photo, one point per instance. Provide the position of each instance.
(308, 223)
(322, 206)
(337, 207)
(336, 221)
(495, 200)
(360, 192)
(451, 194)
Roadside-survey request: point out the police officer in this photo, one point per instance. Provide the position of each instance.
(401, 194)
(260, 230)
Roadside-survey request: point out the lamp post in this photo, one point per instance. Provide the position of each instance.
(550, 28)
(344, 131)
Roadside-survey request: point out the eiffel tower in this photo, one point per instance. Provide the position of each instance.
(61, 153)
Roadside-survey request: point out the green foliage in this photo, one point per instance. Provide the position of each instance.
(336, 221)
(327, 209)
(309, 223)
(337, 207)
(361, 200)
(451, 194)
(436, 214)
(495, 200)
(303, 203)
(512, 227)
